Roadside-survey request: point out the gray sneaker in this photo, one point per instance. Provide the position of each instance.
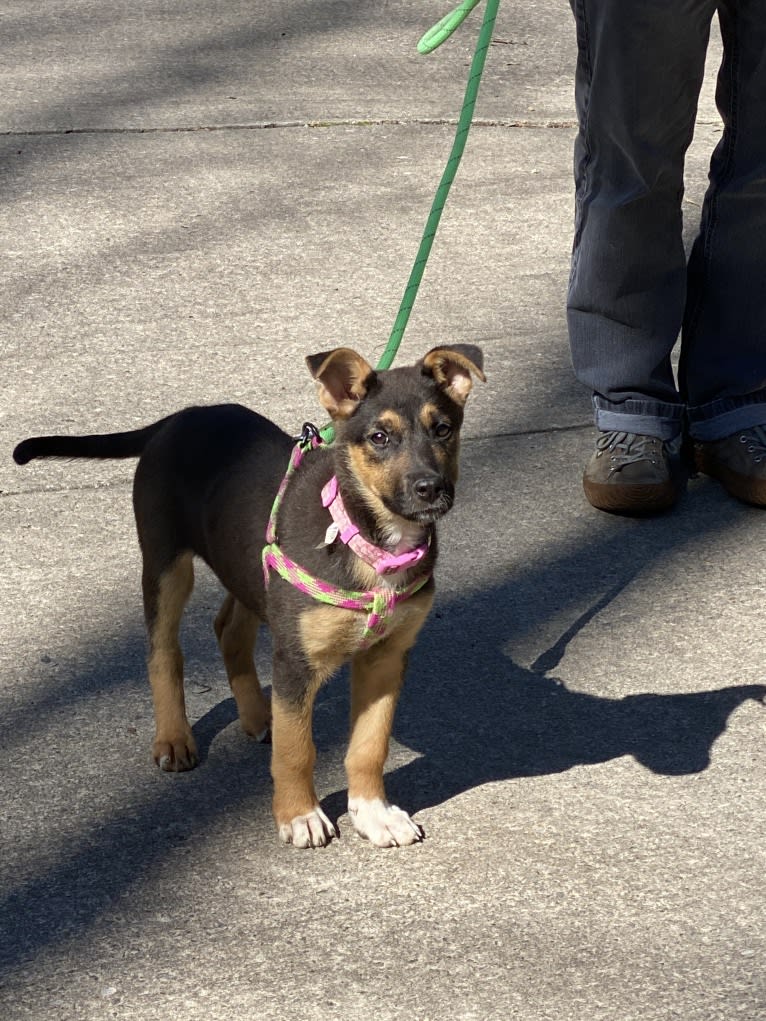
(738, 462)
(633, 474)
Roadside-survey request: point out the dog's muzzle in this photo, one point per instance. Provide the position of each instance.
(428, 496)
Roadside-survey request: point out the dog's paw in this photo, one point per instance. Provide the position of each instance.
(253, 708)
(312, 830)
(382, 824)
(176, 754)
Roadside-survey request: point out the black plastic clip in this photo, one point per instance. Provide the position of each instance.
(310, 435)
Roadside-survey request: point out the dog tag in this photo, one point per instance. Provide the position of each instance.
(330, 535)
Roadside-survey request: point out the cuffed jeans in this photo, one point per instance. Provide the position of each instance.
(639, 73)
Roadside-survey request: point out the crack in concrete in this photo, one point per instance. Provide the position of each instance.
(341, 122)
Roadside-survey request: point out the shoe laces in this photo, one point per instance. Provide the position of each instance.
(755, 438)
(627, 448)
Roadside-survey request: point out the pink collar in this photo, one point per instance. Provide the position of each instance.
(347, 532)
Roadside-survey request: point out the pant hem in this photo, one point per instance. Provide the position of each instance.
(722, 418)
(646, 418)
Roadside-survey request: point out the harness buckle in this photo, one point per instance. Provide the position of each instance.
(310, 435)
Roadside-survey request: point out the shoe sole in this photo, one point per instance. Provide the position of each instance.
(618, 498)
(743, 487)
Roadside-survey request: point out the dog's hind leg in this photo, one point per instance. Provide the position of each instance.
(236, 628)
(165, 597)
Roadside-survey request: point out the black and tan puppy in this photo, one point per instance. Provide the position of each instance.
(357, 517)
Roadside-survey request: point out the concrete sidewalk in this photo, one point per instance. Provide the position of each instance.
(194, 197)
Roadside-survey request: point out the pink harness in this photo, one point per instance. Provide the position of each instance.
(378, 603)
(348, 533)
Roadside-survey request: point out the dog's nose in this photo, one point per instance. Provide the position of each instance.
(428, 488)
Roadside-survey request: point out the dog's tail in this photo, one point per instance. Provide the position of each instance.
(106, 445)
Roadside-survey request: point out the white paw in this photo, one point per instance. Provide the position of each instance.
(312, 830)
(382, 824)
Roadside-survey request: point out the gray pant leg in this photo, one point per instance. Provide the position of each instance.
(640, 70)
(722, 373)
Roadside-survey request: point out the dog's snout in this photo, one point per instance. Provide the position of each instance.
(428, 488)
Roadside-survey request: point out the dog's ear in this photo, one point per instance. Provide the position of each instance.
(452, 368)
(344, 378)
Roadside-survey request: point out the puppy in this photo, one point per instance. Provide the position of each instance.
(335, 553)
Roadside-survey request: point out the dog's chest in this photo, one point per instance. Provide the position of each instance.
(330, 635)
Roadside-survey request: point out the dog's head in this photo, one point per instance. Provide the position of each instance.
(398, 431)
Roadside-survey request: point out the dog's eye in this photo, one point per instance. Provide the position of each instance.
(380, 439)
(442, 431)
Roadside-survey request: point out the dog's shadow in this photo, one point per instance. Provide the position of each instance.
(480, 717)
(473, 716)
(491, 719)
(526, 724)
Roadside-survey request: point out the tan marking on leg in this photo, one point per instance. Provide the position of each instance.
(376, 680)
(292, 768)
(174, 746)
(374, 694)
(236, 628)
(328, 636)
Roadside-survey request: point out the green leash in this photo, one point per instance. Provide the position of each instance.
(430, 41)
(433, 38)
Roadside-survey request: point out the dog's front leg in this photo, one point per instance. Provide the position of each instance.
(376, 680)
(299, 818)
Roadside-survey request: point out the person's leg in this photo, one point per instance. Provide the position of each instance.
(640, 70)
(723, 354)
